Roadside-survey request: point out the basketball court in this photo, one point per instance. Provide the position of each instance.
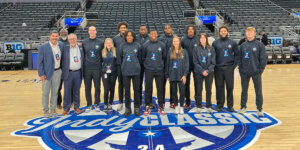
(21, 101)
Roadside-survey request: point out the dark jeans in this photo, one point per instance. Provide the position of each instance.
(136, 90)
(121, 86)
(109, 82)
(208, 84)
(173, 86)
(187, 87)
(258, 90)
(159, 78)
(89, 76)
(72, 90)
(222, 77)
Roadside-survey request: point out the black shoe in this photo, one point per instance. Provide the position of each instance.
(230, 109)
(137, 112)
(218, 109)
(152, 106)
(127, 112)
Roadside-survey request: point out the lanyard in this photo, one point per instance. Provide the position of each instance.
(109, 58)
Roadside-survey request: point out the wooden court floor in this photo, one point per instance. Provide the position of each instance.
(20, 100)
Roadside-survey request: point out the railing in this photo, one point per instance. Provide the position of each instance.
(69, 14)
(289, 33)
(279, 7)
(6, 7)
(209, 12)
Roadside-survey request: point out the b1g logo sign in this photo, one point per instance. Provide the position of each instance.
(110, 130)
(275, 40)
(15, 46)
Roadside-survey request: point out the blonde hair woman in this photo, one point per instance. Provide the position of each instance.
(109, 73)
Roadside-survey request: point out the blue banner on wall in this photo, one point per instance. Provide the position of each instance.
(73, 22)
(207, 19)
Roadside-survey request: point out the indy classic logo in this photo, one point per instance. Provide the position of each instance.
(111, 130)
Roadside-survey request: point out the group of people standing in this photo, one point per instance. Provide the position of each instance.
(132, 58)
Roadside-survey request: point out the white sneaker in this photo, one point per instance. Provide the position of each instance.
(88, 109)
(176, 110)
(260, 113)
(199, 110)
(242, 111)
(120, 107)
(209, 110)
(181, 111)
(97, 108)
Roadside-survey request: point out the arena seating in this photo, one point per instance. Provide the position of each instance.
(288, 4)
(11, 60)
(37, 16)
(154, 14)
(277, 55)
(262, 14)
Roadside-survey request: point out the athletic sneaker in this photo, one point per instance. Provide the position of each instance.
(219, 109)
(209, 110)
(105, 107)
(147, 111)
(260, 113)
(46, 114)
(176, 111)
(172, 106)
(230, 109)
(242, 111)
(88, 109)
(109, 107)
(97, 108)
(181, 111)
(187, 106)
(54, 113)
(120, 107)
(199, 110)
(161, 111)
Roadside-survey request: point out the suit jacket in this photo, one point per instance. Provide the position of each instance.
(66, 62)
(45, 60)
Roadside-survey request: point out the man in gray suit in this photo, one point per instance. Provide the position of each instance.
(49, 71)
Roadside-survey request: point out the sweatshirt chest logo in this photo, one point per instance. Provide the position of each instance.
(195, 45)
(159, 49)
(209, 54)
(254, 49)
(203, 60)
(229, 46)
(246, 55)
(128, 57)
(175, 65)
(92, 53)
(225, 52)
(153, 56)
(135, 50)
(97, 46)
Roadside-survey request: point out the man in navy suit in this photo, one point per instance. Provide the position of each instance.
(72, 64)
(49, 60)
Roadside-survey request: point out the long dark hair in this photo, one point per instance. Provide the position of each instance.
(206, 37)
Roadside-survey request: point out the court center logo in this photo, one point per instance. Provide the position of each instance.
(111, 130)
